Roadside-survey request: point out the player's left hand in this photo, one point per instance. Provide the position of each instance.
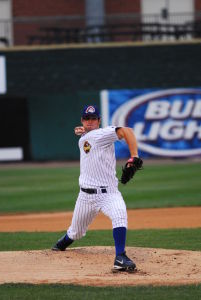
(131, 167)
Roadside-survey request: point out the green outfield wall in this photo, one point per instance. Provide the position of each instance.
(52, 120)
(56, 83)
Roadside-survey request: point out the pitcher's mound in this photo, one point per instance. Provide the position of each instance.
(92, 266)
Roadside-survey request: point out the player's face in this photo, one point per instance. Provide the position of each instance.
(90, 123)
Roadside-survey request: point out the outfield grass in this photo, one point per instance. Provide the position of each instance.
(56, 189)
(188, 239)
(58, 291)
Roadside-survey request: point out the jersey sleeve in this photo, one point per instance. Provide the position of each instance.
(106, 136)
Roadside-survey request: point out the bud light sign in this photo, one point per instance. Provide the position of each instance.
(167, 123)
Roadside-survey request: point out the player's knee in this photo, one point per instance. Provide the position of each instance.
(119, 218)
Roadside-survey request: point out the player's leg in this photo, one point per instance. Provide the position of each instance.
(114, 207)
(62, 243)
(84, 212)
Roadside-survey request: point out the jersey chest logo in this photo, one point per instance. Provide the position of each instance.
(87, 147)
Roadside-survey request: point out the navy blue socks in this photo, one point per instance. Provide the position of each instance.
(119, 235)
(68, 241)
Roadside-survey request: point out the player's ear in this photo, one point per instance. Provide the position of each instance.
(99, 121)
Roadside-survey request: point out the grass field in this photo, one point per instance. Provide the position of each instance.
(188, 239)
(55, 189)
(27, 291)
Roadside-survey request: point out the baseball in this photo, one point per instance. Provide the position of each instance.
(79, 130)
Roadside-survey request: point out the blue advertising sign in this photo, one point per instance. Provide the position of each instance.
(167, 123)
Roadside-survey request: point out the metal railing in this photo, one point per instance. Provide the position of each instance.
(112, 33)
(5, 34)
(121, 27)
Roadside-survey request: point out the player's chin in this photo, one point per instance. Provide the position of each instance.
(89, 128)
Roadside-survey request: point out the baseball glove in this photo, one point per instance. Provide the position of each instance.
(131, 167)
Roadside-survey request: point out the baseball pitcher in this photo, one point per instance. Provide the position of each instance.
(99, 184)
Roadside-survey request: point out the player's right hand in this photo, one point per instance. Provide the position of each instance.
(79, 130)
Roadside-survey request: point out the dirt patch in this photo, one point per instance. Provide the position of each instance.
(92, 266)
(179, 217)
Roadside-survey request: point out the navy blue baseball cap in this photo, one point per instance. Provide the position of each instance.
(90, 110)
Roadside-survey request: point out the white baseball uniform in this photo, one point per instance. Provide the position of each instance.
(97, 173)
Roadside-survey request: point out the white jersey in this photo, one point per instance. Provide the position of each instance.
(97, 169)
(97, 158)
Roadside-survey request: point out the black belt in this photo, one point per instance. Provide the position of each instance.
(93, 191)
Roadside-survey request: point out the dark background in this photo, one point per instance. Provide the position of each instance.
(48, 88)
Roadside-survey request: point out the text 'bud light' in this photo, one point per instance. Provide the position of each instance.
(166, 123)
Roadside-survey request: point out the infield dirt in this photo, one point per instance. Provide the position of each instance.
(178, 217)
(92, 265)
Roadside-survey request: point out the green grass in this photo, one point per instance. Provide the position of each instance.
(27, 190)
(188, 239)
(165, 186)
(56, 189)
(58, 291)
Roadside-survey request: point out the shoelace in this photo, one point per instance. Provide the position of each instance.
(126, 257)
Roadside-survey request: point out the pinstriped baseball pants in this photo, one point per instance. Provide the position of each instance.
(89, 205)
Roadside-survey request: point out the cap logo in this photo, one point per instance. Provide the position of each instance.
(90, 109)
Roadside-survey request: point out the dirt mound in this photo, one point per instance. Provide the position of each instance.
(92, 266)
